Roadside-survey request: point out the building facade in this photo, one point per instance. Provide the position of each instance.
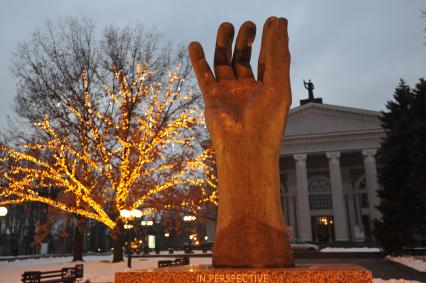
(328, 172)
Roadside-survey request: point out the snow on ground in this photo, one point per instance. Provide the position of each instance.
(351, 250)
(378, 280)
(96, 268)
(99, 269)
(409, 261)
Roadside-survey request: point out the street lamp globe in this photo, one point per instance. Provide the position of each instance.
(188, 218)
(125, 213)
(3, 211)
(136, 213)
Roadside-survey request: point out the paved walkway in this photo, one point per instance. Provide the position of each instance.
(381, 268)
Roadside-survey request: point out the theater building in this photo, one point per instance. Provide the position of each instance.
(328, 171)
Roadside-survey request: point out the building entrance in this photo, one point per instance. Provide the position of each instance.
(323, 228)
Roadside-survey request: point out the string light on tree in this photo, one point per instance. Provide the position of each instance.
(120, 165)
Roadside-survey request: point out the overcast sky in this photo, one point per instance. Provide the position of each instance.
(355, 52)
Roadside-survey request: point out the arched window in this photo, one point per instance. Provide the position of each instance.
(319, 193)
(361, 189)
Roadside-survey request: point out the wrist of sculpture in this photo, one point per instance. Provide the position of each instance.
(250, 208)
(247, 170)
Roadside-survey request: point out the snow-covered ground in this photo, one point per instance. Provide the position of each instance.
(409, 261)
(350, 250)
(378, 280)
(96, 268)
(99, 269)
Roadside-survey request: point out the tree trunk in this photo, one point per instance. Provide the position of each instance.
(117, 242)
(79, 239)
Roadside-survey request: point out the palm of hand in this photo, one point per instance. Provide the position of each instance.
(250, 110)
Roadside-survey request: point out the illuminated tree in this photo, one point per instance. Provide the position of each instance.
(137, 149)
(48, 69)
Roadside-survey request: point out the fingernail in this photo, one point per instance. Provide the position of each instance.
(195, 50)
(225, 34)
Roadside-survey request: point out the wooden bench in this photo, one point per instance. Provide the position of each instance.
(179, 261)
(64, 275)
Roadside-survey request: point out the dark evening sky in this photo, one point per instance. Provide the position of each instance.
(354, 51)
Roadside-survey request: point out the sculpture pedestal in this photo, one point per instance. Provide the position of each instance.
(329, 273)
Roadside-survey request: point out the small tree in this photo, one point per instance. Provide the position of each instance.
(142, 155)
(402, 156)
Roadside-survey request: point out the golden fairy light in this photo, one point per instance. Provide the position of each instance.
(141, 153)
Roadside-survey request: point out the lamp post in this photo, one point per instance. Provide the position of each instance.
(145, 224)
(192, 237)
(128, 216)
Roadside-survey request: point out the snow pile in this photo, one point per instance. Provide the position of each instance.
(351, 250)
(96, 268)
(409, 261)
(379, 280)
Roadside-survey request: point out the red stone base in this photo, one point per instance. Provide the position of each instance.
(326, 273)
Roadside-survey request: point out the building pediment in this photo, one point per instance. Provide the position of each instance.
(317, 119)
(315, 127)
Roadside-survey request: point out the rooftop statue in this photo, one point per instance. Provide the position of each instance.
(246, 118)
(310, 87)
(311, 99)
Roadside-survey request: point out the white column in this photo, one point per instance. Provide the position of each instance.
(347, 187)
(338, 198)
(352, 216)
(291, 216)
(304, 230)
(284, 202)
(291, 182)
(372, 185)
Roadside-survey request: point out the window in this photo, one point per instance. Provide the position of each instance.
(363, 200)
(319, 184)
(362, 184)
(361, 189)
(319, 193)
(320, 201)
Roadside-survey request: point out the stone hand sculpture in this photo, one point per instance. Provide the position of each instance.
(246, 119)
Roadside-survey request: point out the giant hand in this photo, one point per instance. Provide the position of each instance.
(246, 119)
